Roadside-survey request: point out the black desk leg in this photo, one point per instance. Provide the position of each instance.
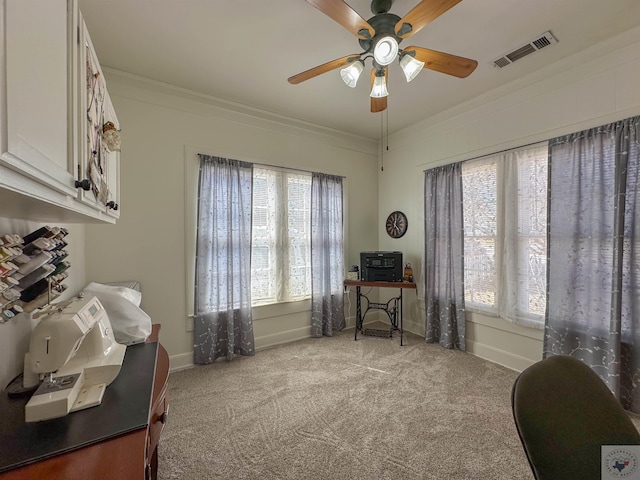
(358, 313)
(401, 324)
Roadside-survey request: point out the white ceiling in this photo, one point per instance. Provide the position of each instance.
(244, 50)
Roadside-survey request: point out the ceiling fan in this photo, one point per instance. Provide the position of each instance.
(379, 38)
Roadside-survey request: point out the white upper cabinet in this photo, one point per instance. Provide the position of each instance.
(38, 96)
(44, 139)
(98, 159)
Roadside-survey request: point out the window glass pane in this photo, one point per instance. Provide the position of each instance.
(480, 229)
(299, 235)
(281, 236)
(532, 232)
(263, 238)
(505, 232)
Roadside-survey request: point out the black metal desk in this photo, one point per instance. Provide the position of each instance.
(393, 307)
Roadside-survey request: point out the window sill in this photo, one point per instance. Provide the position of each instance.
(498, 323)
(262, 312)
(524, 320)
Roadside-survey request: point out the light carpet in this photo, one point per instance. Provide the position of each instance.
(332, 408)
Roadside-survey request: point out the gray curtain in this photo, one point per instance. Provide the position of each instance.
(327, 255)
(593, 298)
(444, 267)
(222, 322)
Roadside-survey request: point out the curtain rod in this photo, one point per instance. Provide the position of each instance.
(296, 169)
(548, 139)
(493, 153)
(507, 150)
(272, 166)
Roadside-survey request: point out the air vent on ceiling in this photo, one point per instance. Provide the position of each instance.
(534, 45)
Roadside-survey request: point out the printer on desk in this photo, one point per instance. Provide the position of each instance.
(381, 266)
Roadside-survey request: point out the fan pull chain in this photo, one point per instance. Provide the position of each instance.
(381, 149)
(387, 113)
(382, 137)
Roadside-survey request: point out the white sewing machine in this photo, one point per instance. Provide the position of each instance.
(74, 351)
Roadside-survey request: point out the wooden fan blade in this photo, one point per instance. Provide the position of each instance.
(320, 69)
(423, 14)
(444, 62)
(379, 104)
(345, 16)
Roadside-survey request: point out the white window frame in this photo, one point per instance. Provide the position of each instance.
(191, 171)
(277, 240)
(499, 307)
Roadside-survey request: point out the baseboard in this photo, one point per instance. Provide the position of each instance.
(372, 316)
(501, 357)
(416, 328)
(350, 322)
(181, 361)
(184, 361)
(274, 339)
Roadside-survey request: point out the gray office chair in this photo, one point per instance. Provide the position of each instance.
(564, 413)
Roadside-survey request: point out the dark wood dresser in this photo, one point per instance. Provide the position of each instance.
(131, 455)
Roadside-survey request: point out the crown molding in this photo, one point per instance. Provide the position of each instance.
(138, 88)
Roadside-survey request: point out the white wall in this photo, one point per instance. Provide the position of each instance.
(595, 87)
(160, 125)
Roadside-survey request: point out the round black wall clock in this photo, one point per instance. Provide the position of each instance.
(396, 224)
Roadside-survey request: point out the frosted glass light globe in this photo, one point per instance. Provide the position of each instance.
(385, 51)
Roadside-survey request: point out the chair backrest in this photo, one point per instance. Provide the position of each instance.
(564, 413)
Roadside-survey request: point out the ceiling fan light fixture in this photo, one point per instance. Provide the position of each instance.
(385, 51)
(379, 89)
(379, 37)
(351, 73)
(410, 66)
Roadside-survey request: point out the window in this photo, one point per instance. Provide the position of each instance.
(281, 236)
(480, 231)
(505, 218)
(532, 233)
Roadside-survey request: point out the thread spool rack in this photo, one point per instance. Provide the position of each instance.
(32, 270)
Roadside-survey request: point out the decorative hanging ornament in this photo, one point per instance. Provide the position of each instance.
(111, 137)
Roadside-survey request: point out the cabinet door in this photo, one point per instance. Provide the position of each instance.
(39, 40)
(112, 161)
(98, 163)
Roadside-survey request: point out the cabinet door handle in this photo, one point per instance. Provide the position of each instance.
(84, 184)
